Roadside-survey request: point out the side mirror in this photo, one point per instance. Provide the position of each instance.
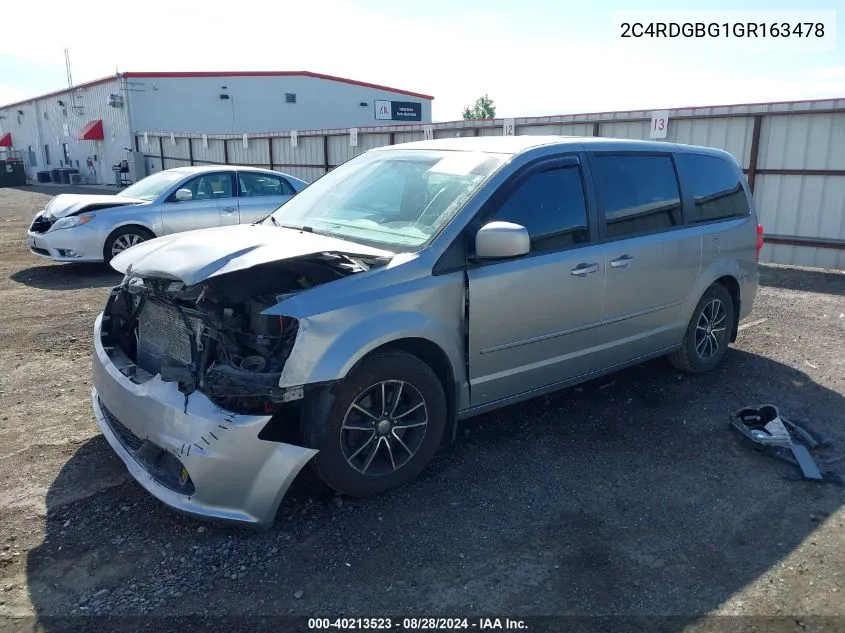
(498, 240)
(183, 194)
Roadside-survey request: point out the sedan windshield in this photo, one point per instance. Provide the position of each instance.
(392, 199)
(153, 186)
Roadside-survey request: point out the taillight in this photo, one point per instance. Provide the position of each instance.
(759, 241)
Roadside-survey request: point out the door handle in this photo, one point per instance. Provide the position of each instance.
(583, 269)
(229, 209)
(621, 262)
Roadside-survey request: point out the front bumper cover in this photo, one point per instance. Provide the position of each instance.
(232, 476)
(53, 245)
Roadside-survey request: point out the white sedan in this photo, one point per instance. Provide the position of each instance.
(95, 228)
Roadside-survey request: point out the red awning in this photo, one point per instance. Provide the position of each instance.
(93, 131)
(6, 140)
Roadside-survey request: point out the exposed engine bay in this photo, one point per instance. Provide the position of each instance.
(212, 336)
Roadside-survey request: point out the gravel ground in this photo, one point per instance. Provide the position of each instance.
(626, 496)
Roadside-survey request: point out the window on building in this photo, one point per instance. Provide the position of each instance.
(716, 188)
(637, 194)
(33, 162)
(46, 155)
(290, 97)
(66, 153)
(254, 184)
(551, 205)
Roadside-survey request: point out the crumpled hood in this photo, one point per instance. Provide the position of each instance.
(195, 256)
(69, 203)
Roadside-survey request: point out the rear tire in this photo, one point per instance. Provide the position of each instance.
(123, 238)
(380, 429)
(708, 334)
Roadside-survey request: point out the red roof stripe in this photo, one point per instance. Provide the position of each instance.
(246, 73)
(6, 140)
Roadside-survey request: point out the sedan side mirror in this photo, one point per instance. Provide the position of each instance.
(183, 194)
(497, 240)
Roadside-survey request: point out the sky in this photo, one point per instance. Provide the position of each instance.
(532, 57)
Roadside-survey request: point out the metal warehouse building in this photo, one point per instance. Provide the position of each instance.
(90, 127)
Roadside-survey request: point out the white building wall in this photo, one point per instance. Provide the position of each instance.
(45, 122)
(256, 104)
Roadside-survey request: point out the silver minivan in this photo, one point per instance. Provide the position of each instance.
(412, 287)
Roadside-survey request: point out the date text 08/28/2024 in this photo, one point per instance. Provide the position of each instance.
(416, 624)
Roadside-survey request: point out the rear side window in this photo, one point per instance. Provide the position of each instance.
(637, 194)
(716, 188)
(254, 184)
(551, 205)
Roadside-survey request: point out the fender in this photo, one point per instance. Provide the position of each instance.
(319, 356)
(150, 227)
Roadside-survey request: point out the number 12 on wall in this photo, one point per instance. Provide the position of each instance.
(659, 124)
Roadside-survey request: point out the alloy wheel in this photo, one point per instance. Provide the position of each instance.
(125, 241)
(384, 427)
(711, 329)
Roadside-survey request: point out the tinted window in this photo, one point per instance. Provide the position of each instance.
(209, 186)
(638, 194)
(254, 184)
(716, 188)
(550, 204)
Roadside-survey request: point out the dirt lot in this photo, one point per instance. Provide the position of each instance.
(626, 496)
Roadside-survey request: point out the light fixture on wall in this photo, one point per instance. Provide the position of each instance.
(364, 104)
(60, 102)
(224, 96)
(20, 112)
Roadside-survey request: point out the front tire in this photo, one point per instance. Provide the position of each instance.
(382, 427)
(123, 238)
(708, 333)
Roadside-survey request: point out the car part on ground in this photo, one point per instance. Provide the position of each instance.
(767, 430)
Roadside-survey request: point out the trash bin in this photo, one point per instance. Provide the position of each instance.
(12, 173)
(42, 176)
(55, 176)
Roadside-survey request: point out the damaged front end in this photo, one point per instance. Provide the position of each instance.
(212, 336)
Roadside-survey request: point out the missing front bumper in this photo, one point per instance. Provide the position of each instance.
(236, 477)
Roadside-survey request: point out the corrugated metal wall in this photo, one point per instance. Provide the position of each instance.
(47, 122)
(793, 153)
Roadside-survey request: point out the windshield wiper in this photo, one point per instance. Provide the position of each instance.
(293, 227)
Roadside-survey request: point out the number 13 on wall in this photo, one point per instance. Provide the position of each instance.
(659, 124)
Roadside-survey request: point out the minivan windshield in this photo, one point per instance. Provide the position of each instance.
(393, 199)
(152, 186)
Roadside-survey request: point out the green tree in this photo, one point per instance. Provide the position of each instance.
(483, 108)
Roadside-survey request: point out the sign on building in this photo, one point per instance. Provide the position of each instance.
(659, 124)
(398, 111)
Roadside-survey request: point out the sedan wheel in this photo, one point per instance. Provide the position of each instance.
(125, 241)
(123, 238)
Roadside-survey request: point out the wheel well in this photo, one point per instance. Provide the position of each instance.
(732, 286)
(433, 356)
(132, 226)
